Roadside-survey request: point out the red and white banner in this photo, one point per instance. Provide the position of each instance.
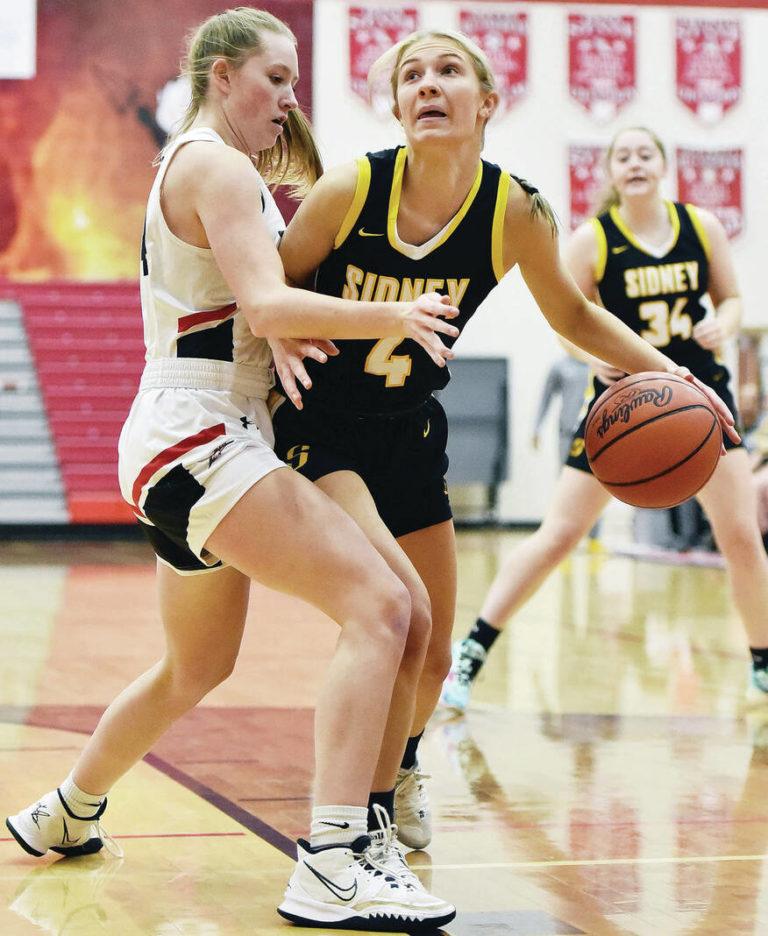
(504, 39)
(601, 62)
(708, 65)
(713, 179)
(373, 30)
(586, 171)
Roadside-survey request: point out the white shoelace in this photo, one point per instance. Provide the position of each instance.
(385, 855)
(109, 843)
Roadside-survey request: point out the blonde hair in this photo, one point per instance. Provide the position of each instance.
(392, 58)
(235, 35)
(608, 196)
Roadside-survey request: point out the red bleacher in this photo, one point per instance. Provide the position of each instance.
(87, 343)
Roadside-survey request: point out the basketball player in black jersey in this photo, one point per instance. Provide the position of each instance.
(651, 262)
(429, 215)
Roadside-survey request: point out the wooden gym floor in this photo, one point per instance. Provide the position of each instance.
(607, 779)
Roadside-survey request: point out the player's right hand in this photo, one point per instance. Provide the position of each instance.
(288, 356)
(424, 320)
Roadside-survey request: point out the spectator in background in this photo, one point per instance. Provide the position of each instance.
(566, 378)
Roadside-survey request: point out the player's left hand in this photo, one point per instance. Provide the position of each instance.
(709, 333)
(724, 415)
(289, 354)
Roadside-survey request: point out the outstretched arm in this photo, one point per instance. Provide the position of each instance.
(221, 192)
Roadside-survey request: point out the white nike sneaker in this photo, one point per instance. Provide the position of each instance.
(388, 852)
(50, 824)
(413, 813)
(347, 887)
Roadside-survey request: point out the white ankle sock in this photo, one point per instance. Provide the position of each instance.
(81, 804)
(337, 825)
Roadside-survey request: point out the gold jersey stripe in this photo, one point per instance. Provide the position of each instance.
(361, 193)
(695, 217)
(394, 202)
(602, 249)
(673, 218)
(497, 231)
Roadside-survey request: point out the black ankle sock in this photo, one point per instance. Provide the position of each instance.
(409, 758)
(759, 657)
(385, 800)
(484, 633)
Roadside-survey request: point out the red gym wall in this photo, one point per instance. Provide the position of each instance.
(76, 152)
(76, 149)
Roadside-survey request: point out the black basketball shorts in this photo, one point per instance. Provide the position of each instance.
(402, 459)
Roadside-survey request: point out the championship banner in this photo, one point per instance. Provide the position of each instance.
(601, 62)
(586, 171)
(504, 39)
(373, 30)
(708, 65)
(712, 179)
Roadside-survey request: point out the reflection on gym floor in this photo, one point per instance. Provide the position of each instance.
(607, 778)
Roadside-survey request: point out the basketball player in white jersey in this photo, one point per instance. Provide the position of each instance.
(220, 509)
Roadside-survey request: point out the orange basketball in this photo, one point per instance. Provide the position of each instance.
(653, 439)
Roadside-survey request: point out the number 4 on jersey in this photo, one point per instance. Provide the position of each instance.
(394, 367)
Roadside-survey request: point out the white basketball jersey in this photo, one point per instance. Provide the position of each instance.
(188, 308)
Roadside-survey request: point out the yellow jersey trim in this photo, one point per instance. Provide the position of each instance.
(673, 218)
(497, 231)
(698, 226)
(602, 249)
(361, 193)
(394, 204)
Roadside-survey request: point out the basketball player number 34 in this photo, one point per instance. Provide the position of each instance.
(665, 322)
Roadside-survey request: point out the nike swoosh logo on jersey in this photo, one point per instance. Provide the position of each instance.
(336, 825)
(343, 893)
(426, 431)
(363, 233)
(620, 249)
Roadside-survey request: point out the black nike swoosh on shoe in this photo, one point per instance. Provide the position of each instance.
(343, 893)
(336, 825)
(65, 839)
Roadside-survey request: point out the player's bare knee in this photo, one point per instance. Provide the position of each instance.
(437, 664)
(388, 610)
(559, 539)
(190, 683)
(546, 547)
(420, 626)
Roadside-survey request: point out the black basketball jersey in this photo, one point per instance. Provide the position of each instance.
(658, 297)
(369, 262)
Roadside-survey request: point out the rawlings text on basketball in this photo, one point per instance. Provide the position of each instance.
(628, 403)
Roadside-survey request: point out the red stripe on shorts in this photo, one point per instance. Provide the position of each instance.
(171, 454)
(201, 318)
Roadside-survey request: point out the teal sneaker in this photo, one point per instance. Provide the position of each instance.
(468, 657)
